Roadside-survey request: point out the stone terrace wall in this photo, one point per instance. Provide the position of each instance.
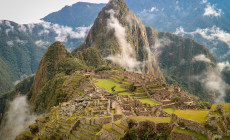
(181, 136)
(190, 124)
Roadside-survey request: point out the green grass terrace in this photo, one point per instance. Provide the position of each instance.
(169, 110)
(190, 133)
(154, 119)
(195, 115)
(225, 105)
(108, 84)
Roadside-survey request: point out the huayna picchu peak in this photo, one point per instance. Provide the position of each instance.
(126, 81)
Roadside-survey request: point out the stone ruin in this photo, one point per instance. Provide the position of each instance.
(131, 106)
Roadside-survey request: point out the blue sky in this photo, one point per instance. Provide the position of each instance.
(30, 11)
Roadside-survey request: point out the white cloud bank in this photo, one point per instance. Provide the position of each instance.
(211, 34)
(17, 119)
(201, 58)
(125, 58)
(62, 32)
(214, 33)
(212, 80)
(211, 10)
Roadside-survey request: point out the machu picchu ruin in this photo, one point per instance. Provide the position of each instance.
(120, 84)
(121, 105)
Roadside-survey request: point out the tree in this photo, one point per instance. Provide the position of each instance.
(113, 88)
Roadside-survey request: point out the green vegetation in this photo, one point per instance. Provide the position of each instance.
(107, 84)
(25, 135)
(50, 95)
(34, 128)
(146, 132)
(154, 119)
(169, 110)
(196, 115)
(23, 87)
(225, 138)
(205, 105)
(148, 101)
(113, 88)
(69, 65)
(109, 128)
(226, 107)
(113, 111)
(118, 123)
(132, 88)
(17, 60)
(125, 93)
(190, 132)
(92, 58)
(175, 99)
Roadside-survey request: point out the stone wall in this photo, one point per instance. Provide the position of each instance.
(182, 136)
(117, 117)
(106, 135)
(190, 124)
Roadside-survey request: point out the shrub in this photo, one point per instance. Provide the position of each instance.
(175, 99)
(34, 128)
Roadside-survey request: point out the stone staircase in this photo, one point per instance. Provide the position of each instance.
(63, 128)
(114, 131)
(85, 132)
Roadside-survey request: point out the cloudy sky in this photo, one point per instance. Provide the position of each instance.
(30, 11)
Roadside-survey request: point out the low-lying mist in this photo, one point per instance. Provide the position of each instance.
(17, 118)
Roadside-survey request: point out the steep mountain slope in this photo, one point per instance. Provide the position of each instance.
(19, 55)
(177, 59)
(22, 47)
(73, 15)
(175, 55)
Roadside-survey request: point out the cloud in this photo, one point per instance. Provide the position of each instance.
(221, 66)
(125, 58)
(159, 44)
(21, 78)
(211, 10)
(10, 43)
(8, 24)
(212, 80)
(44, 32)
(42, 44)
(22, 28)
(22, 42)
(214, 83)
(30, 27)
(154, 9)
(201, 58)
(213, 35)
(18, 118)
(204, 1)
(63, 32)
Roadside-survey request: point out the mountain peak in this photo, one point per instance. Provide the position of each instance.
(48, 65)
(119, 35)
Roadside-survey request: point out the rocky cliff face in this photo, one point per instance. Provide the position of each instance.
(181, 60)
(121, 37)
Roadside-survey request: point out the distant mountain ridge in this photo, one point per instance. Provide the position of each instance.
(22, 47)
(203, 21)
(77, 15)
